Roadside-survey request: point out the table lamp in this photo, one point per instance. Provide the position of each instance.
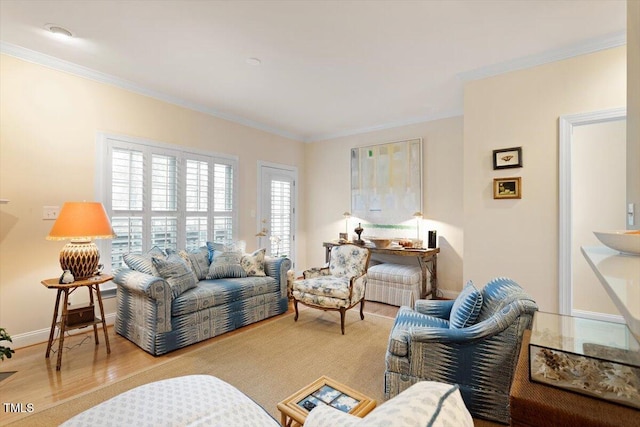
(346, 216)
(418, 216)
(80, 222)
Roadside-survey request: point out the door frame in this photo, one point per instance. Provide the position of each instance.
(260, 214)
(567, 124)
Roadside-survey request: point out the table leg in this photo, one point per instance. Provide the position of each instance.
(433, 275)
(63, 323)
(95, 326)
(53, 324)
(104, 321)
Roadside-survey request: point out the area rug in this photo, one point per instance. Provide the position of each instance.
(268, 362)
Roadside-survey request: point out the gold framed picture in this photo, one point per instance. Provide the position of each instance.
(507, 188)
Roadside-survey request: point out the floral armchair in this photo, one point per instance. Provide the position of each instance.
(339, 287)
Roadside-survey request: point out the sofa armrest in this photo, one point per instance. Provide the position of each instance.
(277, 268)
(144, 284)
(435, 308)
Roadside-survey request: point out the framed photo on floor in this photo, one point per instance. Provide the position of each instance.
(507, 188)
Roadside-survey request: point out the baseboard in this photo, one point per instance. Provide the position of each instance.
(42, 335)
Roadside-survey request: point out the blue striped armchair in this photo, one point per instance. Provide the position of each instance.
(473, 341)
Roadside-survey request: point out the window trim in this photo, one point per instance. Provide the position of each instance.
(103, 177)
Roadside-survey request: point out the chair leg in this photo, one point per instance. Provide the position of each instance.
(295, 305)
(342, 312)
(362, 309)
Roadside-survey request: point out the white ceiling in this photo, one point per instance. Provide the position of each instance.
(329, 68)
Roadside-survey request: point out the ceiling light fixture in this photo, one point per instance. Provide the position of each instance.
(58, 30)
(254, 61)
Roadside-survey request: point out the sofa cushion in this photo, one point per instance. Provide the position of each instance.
(212, 247)
(211, 293)
(198, 260)
(176, 272)
(466, 307)
(226, 262)
(253, 264)
(142, 262)
(426, 403)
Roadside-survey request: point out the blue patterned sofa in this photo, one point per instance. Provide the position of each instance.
(161, 307)
(473, 341)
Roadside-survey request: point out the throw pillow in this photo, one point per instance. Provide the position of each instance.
(253, 264)
(176, 272)
(142, 262)
(226, 262)
(198, 260)
(466, 307)
(426, 403)
(212, 247)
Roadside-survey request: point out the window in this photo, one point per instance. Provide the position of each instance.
(165, 196)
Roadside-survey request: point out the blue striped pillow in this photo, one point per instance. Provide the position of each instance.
(466, 307)
(176, 272)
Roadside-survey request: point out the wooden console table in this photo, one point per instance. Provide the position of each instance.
(93, 285)
(427, 259)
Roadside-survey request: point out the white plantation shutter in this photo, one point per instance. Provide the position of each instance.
(223, 206)
(280, 217)
(160, 195)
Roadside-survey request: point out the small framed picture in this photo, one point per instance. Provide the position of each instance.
(507, 158)
(507, 188)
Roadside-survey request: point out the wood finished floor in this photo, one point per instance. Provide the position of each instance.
(86, 366)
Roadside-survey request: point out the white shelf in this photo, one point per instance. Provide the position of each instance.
(3, 201)
(620, 276)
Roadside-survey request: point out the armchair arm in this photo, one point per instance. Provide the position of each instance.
(277, 268)
(357, 287)
(435, 308)
(316, 272)
(484, 329)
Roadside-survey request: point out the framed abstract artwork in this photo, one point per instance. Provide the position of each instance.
(386, 181)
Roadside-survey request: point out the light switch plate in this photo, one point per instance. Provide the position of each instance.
(50, 212)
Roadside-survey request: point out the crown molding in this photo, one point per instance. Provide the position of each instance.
(390, 125)
(589, 46)
(78, 70)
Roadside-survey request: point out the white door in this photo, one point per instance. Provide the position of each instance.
(276, 201)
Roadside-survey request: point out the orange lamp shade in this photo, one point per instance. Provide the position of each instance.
(82, 221)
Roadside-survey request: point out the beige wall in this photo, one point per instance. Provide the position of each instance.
(327, 175)
(48, 156)
(519, 238)
(633, 108)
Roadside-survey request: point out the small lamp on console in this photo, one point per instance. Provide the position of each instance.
(81, 222)
(418, 216)
(346, 216)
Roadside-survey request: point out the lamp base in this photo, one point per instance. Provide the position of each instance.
(81, 258)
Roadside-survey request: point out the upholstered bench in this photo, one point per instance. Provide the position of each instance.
(394, 284)
(192, 400)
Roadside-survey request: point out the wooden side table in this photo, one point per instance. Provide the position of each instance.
(93, 285)
(323, 391)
